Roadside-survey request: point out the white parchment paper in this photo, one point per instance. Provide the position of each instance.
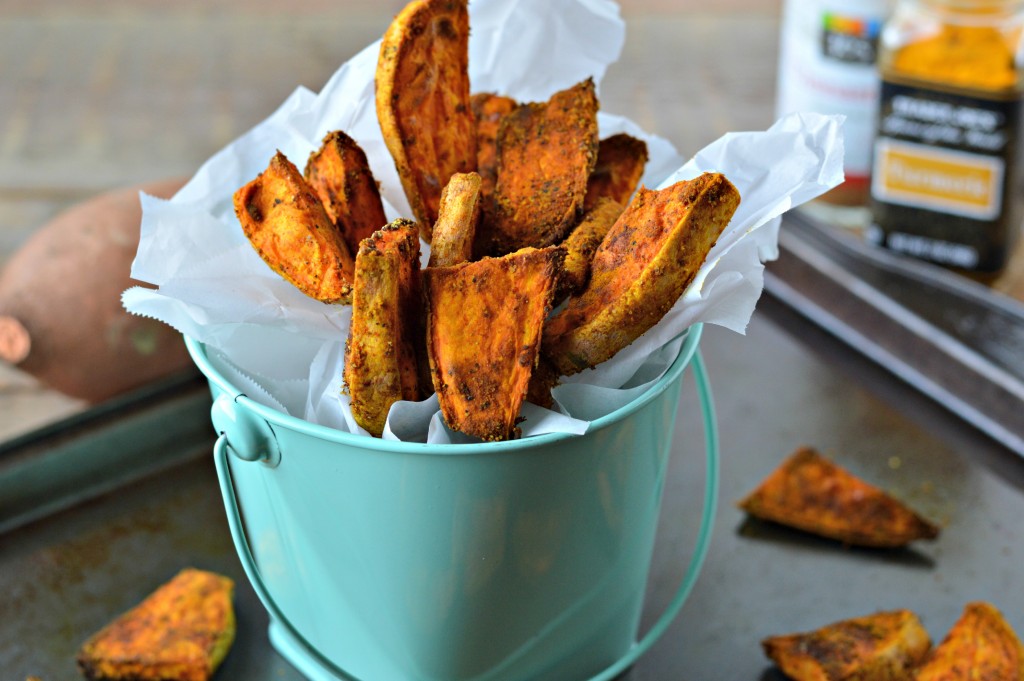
(285, 350)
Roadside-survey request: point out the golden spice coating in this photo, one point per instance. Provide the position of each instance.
(381, 359)
(484, 322)
(422, 95)
(886, 646)
(620, 165)
(546, 152)
(813, 494)
(457, 220)
(340, 175)
(980, 646)
(286, 223)
(181, 632)
(582, 243)
(488, 111)
(644, 264)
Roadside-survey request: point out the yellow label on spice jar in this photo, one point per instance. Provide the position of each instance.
(938, 179)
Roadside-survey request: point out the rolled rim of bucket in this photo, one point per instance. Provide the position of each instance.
(198, 352)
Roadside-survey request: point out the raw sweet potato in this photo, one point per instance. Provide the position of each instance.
(644, 264)
(340, 175)
(287, 225)
(381, 362)
(181, 632)
(452, 241)
(484, 322)
(546, 152)
(423, 102)
(981, 645)
(813, 494)
(582, 243)
(885, 646)
(620, 165)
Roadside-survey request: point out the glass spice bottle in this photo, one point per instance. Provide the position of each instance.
(946, 181)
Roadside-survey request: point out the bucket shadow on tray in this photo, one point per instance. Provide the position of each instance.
(765, 530)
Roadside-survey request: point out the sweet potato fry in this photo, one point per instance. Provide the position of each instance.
(286, 223)
(886, 646)
(483, 331)
(423, 102)
(381, 362)
(981, 645)
(545, 155)
(488, 111)
(644, 264)
(582, 243)
(180, 632)
(813, 494)
(340, 175)
(457, 219)
(620, 165)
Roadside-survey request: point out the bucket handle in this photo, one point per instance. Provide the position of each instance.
(241, 541)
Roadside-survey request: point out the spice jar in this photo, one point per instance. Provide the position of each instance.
(945, 176)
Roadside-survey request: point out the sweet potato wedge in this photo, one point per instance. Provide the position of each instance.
(885, 646)
(288, 226)
(484, 322)
(381, 361)
(340, 175)
(813, 494)
(180, 632)
(620, 165)
(452, 241)
(546, 152)
(644, 264)
(582, 243)
(422, 97)
(981, 645)
(489, 110)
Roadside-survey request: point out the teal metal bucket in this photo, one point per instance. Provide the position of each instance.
(524, 559)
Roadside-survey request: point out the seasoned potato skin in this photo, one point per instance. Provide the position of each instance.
(885, 646)
(381, 361)
(457, 220)
(340, 175)
(980, 646)
(422, 99)
(288, 226)
(644, 264)
(813, 494)
(180, 632)
(546, 152)
(582, 243)
(620, 165)
(483, 331)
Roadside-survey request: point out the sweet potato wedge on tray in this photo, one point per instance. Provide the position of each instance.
(813, 494)
(546, 152)
(489, 110)
(483, 331)
(644, 264)
(340, 175)
(885, 646)
(180, 632)
(981, 645)
(620, 165)
(422, 98)
(452, 241)
(381, 361)
(582, 243)
(288, 226)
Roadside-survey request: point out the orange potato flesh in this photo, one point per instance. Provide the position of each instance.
(981, 645)
(620, 165)
(422, 98)
(546, 152)
(457, 220)
(484, 322)
(644, 264)
(181, 632)
(886, 646)
(381, 362)
(488, 111)
(286, 223)
(813, 494)
(340, 175)
(582, 243)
